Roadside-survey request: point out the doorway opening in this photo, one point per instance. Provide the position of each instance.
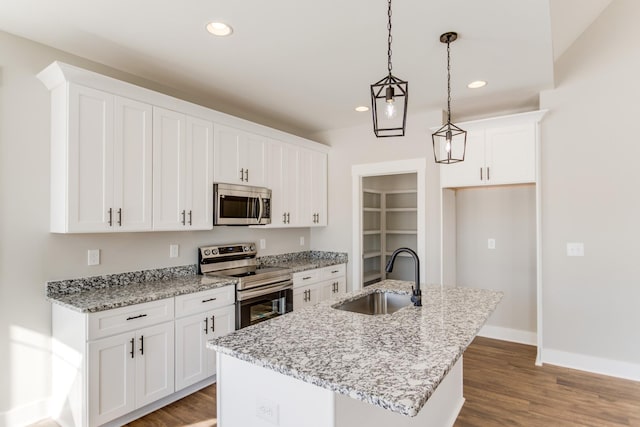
(389, 211)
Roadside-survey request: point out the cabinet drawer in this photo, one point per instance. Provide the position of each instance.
(333, 271)
(304, 278)
(205, 300)
(118, 320)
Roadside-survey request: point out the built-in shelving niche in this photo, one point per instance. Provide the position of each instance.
(389, 218)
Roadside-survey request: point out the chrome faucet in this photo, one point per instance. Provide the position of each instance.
(416, 297)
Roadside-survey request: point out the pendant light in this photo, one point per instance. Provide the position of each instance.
(449, 142)
(389, 98)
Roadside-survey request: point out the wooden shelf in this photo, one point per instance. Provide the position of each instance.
(372, 210)
(401, 209)
(369, 232)
(371, 275)
(401, 231)
(367, 255)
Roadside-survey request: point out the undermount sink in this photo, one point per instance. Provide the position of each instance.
(376, 303)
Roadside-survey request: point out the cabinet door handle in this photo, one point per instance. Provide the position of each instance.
(206, 325)
(481, 174)
(284, 218)
(190, 217)
(488, 176)
(288, 218)
(142, 345)
(246, 175)
(110, 217)
(136, 317)
(120, 217)
(213, 324)
(132, 346)
(242, 174)
(184, 215)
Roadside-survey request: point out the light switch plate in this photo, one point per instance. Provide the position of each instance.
(301, 240)
(263, 243)
(267, 410)
(93, 257)
(575, 249)
(491, 244)
(174, 251)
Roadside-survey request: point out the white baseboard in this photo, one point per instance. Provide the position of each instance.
(596, 365)
(26, 414)
(508, 334)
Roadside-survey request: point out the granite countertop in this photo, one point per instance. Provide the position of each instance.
(307, 260)
(100, 293)
(394, 361)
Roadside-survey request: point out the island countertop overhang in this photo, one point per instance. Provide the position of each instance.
(393, 361)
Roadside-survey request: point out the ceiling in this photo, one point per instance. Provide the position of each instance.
(303, 66)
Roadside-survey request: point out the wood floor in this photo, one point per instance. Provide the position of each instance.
(502, 387)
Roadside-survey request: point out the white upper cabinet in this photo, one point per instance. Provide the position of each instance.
(315, 180)
(101, 162)
(298, 181)
(125, 158)
(499, 151)
(182, 171)
(239, 157)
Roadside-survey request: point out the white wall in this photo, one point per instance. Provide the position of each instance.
(30, 255)
(590, 194)
(358, 145)
(508, 215)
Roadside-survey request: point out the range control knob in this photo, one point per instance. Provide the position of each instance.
(207, 252)
(252, 248)
(214, 251)
(245, 248)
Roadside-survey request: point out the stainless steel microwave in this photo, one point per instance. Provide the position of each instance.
(241, 205)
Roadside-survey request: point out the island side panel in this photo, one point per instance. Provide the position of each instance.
(440, 410)
(250, 395)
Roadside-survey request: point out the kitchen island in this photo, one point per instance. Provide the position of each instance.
(320, 366)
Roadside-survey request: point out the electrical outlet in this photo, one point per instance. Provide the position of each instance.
(93, 257)
(301, 240)
(575, 249)
(491, 244)
(174, 251)
(263, 243)
(267, 410)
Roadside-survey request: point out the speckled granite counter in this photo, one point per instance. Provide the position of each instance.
(302, 261)
(99, 293)
(392, 361)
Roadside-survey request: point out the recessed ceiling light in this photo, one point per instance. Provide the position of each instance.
(362, 108)
(219, 29)
(477, 84)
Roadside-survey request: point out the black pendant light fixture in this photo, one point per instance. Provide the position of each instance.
(389, 98)
(449, 142)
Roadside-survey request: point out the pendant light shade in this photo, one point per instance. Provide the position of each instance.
(389, 98)
(449, 142)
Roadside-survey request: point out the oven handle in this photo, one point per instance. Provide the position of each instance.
(264, 290)
(280, 279)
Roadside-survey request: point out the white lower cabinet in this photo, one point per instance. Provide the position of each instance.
(110, 363)
(320, 284)
(129, 371)
(214, 317)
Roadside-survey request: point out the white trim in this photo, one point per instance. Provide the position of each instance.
(417, 166)
(508, 334)
(26, 414)
(596, 365)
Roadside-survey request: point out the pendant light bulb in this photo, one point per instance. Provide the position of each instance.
(448, 144)
(390, 111)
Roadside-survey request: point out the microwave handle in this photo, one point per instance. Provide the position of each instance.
(260, 211)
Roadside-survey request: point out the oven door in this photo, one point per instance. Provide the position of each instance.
(264, 303)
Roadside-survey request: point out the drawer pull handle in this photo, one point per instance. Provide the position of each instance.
(209, 300)
(132, 346)
(136, 317)
(142, 345)
(334, 271)
(306, 278)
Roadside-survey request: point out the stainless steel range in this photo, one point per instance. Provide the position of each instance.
(262, 293)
